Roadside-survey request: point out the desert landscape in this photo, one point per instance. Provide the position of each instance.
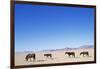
(81, 54)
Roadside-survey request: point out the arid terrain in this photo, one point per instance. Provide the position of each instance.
(58, 56)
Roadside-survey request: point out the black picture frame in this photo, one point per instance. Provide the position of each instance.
(12, 48)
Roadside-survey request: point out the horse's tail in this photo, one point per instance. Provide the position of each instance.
(26, 58)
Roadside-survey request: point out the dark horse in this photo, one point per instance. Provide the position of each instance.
(84, 53)
(29, 56)
(48, 55)
(70, 53)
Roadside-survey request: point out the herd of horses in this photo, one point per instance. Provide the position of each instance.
(33, 55)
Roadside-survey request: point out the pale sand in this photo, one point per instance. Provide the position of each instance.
(58, 57)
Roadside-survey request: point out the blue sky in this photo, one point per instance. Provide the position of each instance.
(39, 27)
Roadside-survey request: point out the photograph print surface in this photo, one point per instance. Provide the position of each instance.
(49, 34)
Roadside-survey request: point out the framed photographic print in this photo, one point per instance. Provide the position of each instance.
(50, 34)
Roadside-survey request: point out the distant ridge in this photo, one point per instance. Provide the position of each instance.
(86, 46)
(66, 48)
(25, 52)
(81, 47)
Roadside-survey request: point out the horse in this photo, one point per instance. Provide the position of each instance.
(29, 56)
(48, 55)
(70, 53)
(85, 53)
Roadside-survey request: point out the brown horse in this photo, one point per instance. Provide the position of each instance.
(70, 53)
(84, 53)
(29, 56)
(48, 55)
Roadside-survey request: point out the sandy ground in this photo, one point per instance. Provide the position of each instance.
(57, 57)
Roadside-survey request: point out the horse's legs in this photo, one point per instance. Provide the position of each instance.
(46, 57)
(30, 59)
(33, 59)
(87, 54)
(69, 55)
(74, 55)
(83, 55)
(50, 57)
(27, 59)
